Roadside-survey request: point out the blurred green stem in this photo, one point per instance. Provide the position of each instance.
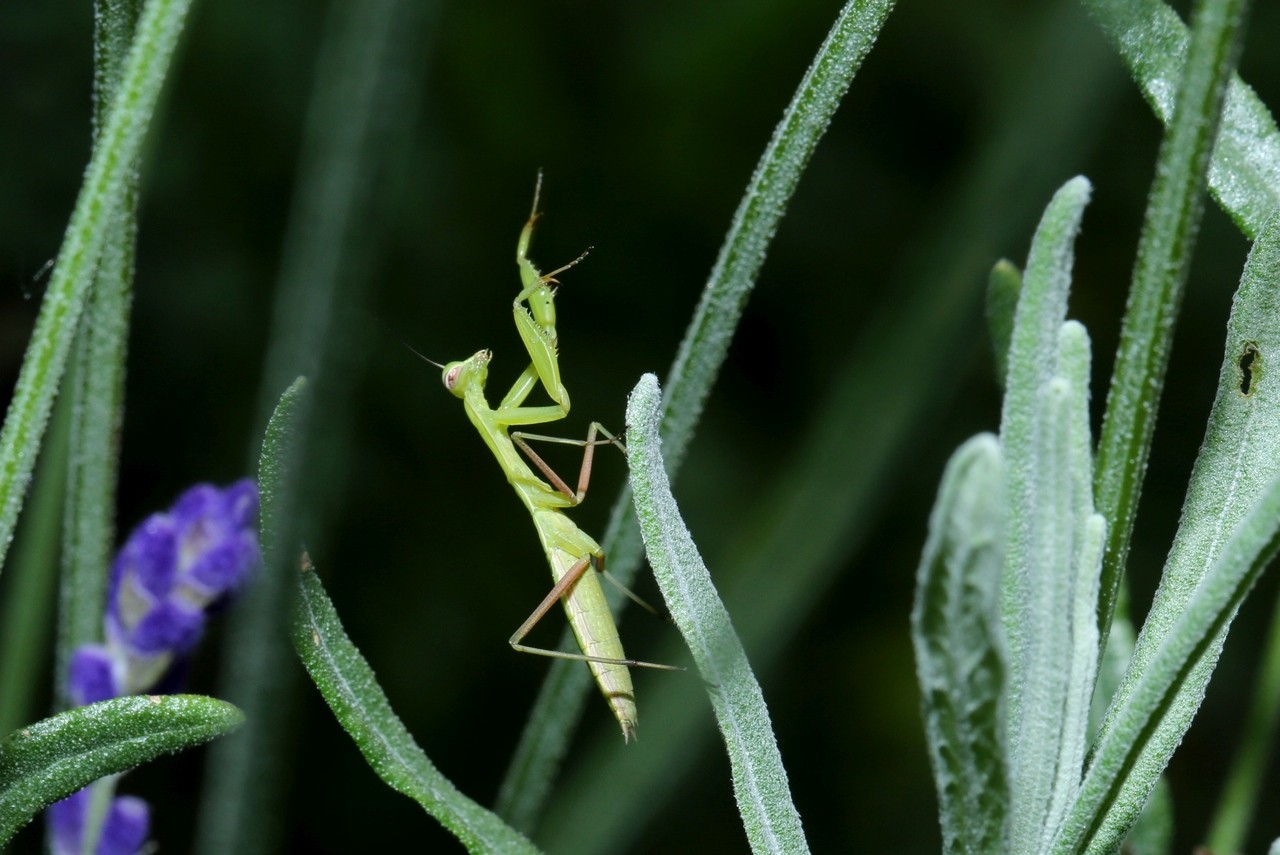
(28, 604)
(361, 84)
(95, 383)
(1240, 795)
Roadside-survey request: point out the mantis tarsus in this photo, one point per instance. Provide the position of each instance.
(576, 560)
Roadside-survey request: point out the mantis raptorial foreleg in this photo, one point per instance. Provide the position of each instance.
(535, 310)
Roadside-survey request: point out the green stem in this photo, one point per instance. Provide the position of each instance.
(101, 196)
(1240, 795)
(96, 380)
(1159, 276)
(28, 602)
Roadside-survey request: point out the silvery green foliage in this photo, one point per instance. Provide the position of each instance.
(1160, 270)
(1047, 578)
(1153, 42)
(759, 779)
(960, 658)
(1055, 538)
(1238, 463)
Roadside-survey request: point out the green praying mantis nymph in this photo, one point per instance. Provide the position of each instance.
(576, 560)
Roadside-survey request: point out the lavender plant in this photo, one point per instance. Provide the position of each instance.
(173, 569)
(1047, 718)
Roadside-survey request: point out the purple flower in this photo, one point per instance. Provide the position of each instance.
(173, 568)
(124, 829)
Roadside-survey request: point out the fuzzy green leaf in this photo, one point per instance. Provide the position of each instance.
(1004, 284)
(1033, 357)
(54, 758)
(105, 184)
(1051, 567)
(960, 661)
(1244, 176)
(351, 689)
(759, 778)
(1159, 277)
(95, 382)
(1239, 457)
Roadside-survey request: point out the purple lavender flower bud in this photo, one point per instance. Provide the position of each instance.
(170, 571)
(93, 675)
(124, 829)
(173, 567)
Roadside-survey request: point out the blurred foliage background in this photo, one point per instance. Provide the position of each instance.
(647, 120)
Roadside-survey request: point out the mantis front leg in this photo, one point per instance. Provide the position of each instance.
(534, 309)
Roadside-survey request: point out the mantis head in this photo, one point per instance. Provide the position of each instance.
(460, 376)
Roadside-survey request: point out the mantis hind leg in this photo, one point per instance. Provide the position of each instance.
(557, 591)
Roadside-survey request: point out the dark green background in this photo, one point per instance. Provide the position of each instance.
(647, 119)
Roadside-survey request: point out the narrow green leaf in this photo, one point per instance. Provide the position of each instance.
(1038, 742)
(277, 462)
(1033, 358)
(1239, 457)
(1049, 568)
(1135, 745)
(1244, 176)
(759, 778)
(343, 676)
(960, 661)
(1004, 284)
(95, 382)
(56, 757)
(1081, 667)
(351, 689)
(101, 195)
(1075, 653)
(1159, 276)
(1079, 653)
(560, 701)
(27, 609)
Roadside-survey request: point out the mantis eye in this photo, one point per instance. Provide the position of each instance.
(451, 373)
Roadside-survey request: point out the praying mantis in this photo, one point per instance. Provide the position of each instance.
(576, 560)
